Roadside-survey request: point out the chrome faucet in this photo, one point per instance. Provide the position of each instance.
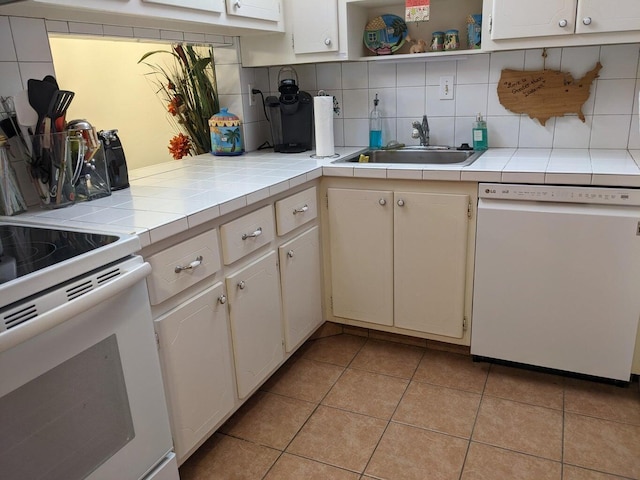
(421, 131)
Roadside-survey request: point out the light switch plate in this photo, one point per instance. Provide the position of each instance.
(446, 87)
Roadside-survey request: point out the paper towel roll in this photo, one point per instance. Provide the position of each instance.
(323, 113)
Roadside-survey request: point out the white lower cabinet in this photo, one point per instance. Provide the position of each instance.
(256, 322)
(400, 259)
(196, 359)
(301, 287)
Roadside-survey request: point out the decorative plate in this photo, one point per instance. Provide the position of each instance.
(385, 34)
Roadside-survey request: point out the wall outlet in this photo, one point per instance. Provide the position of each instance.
(446, 87)
(252, 96)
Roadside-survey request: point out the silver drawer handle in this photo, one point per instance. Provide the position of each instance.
(255, 234)
(222, 299)
(237, 4)
(241, 285)
(192, 266)
(301, 209)
(290, 254)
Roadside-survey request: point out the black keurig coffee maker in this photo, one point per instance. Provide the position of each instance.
(290, 115)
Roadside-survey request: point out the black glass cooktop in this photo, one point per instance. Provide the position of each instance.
(25, 249)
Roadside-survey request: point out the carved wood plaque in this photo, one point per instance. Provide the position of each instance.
(543, 94)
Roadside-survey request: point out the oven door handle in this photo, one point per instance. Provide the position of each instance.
(62, 313)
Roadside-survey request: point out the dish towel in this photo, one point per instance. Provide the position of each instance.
(416, 10)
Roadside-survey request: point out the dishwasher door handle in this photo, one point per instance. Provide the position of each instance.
(60, 314)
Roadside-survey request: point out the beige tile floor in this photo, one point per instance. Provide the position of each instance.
(353, 408)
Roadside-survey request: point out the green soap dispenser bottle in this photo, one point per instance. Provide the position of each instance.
(479, 133)
(375, 126)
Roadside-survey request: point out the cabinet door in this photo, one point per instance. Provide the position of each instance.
(256, 325)
(258, 9)
(301, 287)
(512, 19)
(430, 253)
(610, 16)
(315, 26)
(205, 5)
(196, 359)
(361, 247)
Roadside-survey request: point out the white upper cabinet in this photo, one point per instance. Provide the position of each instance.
(315, 26)
(607, 16)
(204, 5)
(544, 17)
(548, 23)
(259, 9)
(222, 17)
(311, 35)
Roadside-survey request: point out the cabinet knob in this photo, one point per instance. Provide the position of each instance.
(563, 23)
(382, 201)
(255, 234)
(241, 285)
(222, 299)
(192, 266)
(237, 4)
(290, 254)
(401, 203)
(302, 209)
(586, 20)
(327, 41)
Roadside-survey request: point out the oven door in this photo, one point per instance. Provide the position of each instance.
(83, 396)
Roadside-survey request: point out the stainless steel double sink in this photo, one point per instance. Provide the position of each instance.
(433, 155)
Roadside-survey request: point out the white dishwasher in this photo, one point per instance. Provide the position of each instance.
(557, 277)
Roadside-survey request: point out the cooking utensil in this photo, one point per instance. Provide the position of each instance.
(58, 108)
(40, 95)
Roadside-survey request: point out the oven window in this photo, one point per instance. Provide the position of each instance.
(68, 421)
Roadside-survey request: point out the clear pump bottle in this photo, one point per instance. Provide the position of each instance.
(479, 133)
(375, 126)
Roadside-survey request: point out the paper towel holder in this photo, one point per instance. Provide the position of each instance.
(336, 110)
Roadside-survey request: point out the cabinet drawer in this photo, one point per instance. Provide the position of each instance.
(199, 258)
(296, 210)
(246, 234)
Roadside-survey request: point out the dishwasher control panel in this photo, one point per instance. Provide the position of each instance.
(564, 194)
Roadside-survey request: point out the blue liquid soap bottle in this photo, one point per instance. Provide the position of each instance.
(375, 126)
(479, 133)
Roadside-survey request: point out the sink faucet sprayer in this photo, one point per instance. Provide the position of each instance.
(421, 131)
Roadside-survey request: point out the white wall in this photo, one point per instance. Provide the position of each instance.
(407, 90)
(112, 91)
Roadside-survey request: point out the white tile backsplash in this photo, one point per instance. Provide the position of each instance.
(610, 131)
(612, 96)
(382, 74)
(534, 135)
(471, 100)
(579, 60)
(618, 61)
(411, 74)
(10, 81)
(406, 90)
(7, 49)
(411, 102)
(475, 69)
(30, 39)
(355, 104)
(501, 60)
(355, 75)
(329, 76)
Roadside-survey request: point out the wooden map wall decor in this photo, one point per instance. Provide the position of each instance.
(543, 94)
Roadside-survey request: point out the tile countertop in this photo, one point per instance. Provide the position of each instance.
(171, 197)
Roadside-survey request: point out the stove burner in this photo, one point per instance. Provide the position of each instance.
(25, 249)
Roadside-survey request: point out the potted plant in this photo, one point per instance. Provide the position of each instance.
(188, 86)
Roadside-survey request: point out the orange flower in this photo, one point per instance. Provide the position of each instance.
(174, 105)
(179, 146)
